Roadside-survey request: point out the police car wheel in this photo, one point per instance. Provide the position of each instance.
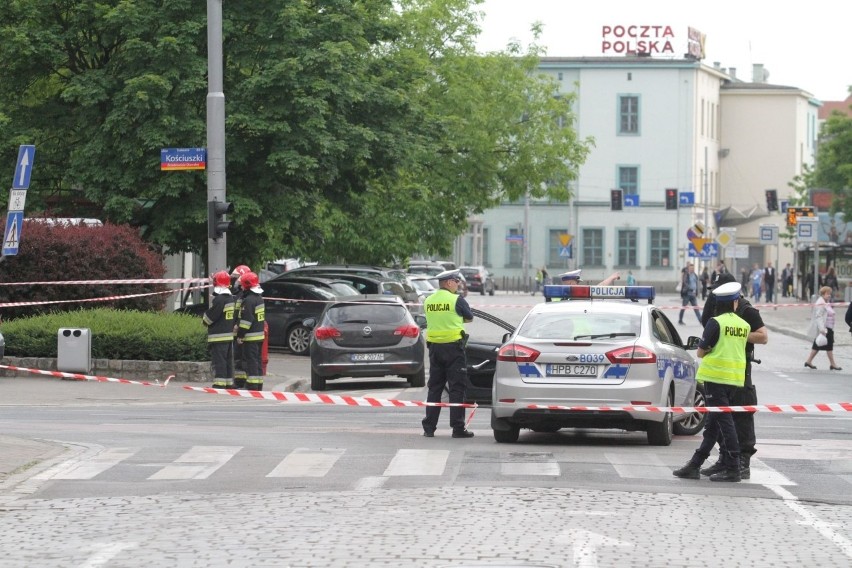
(509, 436)
(660, 433)
(694, 422)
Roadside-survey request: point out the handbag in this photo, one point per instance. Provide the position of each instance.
(821, 340)
(679, 287)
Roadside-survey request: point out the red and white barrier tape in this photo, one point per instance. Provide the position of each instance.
(80, 377)
(776, 408)
(104, 299)
(136, 281)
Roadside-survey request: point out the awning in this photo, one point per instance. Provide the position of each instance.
(733, 216)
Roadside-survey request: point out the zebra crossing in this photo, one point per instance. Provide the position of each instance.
(204, 462)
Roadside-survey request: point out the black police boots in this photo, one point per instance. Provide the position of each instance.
(745, 466)
(715, 468)
(463, 433)
(727, 474)
(689, 471)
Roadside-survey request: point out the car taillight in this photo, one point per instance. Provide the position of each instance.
(517, 353)
(327, 332)
(407, 331)
(477, 277)
(632, 354)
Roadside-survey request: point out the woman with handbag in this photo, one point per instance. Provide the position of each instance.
(822, 325)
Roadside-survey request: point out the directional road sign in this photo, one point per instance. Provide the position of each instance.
(12, 234)
(708, 250)
(686, 198)
(631, 200)
(24, 167)
(565, 252)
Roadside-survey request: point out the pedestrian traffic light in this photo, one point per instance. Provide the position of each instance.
(671, 199)
(771, 200)
(617, 199)
(217, 224)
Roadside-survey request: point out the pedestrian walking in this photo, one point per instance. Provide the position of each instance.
(219, 319)
(769, 281)
(822, 329)
(722, 351)
(717, 272)
(705, 283)
(538, 277)
(250, 330)
(744, 279)
(830, 280)
(746, 396)
(689, 292)
(240, 375)
(631, 280)
(785, 279)
(446, 313)
(756, 278)
(545, 276)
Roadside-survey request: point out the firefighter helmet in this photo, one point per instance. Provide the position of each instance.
(249, 280)
(240, 270)
(221, 279)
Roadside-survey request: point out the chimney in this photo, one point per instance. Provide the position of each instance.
(757, 73)
(732, 71)
(717, 64)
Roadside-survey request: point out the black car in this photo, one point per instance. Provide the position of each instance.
(380, 273)
(371, 336)
(479, 279)
(334, 285)
(287, 305)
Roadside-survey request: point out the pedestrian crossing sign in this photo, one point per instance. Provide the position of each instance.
(12, 234)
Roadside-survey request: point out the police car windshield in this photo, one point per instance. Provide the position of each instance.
(580, 325)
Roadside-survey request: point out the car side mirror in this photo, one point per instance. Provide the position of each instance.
(420, 320)
(309, 323)
(506, 337)
(692, 342)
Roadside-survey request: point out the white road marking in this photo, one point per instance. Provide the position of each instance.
(307, 462)
(368, 483)
(91, 466)
(106, 553)
(198, 463)
(810, 519)
(418, 462)
(632, 465)
(533, 464)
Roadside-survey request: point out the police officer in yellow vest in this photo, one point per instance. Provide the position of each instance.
(446, 313)
(722, 370)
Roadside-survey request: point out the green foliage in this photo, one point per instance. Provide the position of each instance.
(362, 131)
(63, 252)
(116, 334)
(834, 162)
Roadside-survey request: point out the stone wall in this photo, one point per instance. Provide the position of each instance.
(184, 371)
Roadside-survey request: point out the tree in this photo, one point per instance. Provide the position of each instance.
(362, 130)
(833, 168)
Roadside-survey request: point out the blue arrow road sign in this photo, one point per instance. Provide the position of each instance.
(631, 200)
(686, 198)
(12, 234)
(24, 167)
(710, 250)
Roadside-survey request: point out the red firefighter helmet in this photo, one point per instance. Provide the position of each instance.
(249, 280)
(240, 270)
(221, 279)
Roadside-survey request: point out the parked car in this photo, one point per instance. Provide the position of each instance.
(409, 293)
(425, 285)
(288, 304)
(479, 279)
(371, 336)
(431, 268)
(597, 349)
(333, 285)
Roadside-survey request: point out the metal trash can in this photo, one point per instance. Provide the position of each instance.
(74, 350)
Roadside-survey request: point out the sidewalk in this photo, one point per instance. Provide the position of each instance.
(290, 373)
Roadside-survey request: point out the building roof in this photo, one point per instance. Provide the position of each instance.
(829, 107)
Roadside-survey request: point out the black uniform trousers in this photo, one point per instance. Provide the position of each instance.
(253, 364)
(719, 427)
(744, 421)
(447, 367)
(222, 357)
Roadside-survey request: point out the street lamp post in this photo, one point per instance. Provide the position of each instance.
(217, 251)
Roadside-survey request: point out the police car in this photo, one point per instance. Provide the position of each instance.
(598, 346)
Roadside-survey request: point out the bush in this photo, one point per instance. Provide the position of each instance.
(116, 334)
(77, 252)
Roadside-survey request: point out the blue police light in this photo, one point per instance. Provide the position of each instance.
(635, 293)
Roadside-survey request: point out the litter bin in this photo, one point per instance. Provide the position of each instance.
(74, 350)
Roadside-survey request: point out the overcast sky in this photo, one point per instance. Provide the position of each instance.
(805, 45)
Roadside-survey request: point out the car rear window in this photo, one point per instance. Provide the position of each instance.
(366, 313)
(469, 271)
(585, 325)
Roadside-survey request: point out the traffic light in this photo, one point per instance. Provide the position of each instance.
(617, 199)
(671, 199)
(217, 225)
(772, 200)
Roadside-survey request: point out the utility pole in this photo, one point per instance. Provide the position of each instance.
(217, 251)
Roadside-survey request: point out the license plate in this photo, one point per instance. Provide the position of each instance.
(567, 370)
(368, 356)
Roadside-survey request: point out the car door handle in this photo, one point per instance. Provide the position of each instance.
(478, 366)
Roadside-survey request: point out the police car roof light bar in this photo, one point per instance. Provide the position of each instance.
(634, 293)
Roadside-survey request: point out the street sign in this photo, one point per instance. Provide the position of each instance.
(736, 251)
(565, 252)
(23, 167)
(686, 198)
(769, 234)
(173, 159)
(565, 239)
(515, 238)
(12, 234)
(708, 250)
(727, 237)
(17, 199)
(631, 200)
(807, 230)
(785, 203)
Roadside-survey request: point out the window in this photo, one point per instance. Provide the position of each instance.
(628, 113)
(660, 252)
(626, 247)
(516, 248)
(628, 179)
(592, 247)
(554, 247)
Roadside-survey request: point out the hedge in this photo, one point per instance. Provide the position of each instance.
(116, 334)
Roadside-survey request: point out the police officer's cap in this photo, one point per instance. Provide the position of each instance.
(572, 276)
(724, 278)
(728, 292)
(449, 275)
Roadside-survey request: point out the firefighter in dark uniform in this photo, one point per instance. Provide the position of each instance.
(722, 370)
(746, 396)
(237, 291)
(250, 330)
(446, 313)
(219, 319)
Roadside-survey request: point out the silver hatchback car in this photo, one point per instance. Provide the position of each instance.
(600, 346)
